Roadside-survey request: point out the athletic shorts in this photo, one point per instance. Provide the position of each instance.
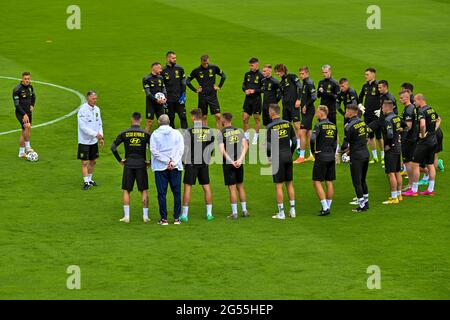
(193, 172)
(130, 175)
(209, 100)
(233, 175)
(88, 151)
(252, 105)
(392, 162)
(284, 172)
(324, 170)
(439, 138)
(307, 120)
(290, 112)
(408, 151)
(153, 109)
(20, 118)
(424, 154)
(368, 119)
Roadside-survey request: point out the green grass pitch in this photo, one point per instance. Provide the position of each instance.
(47, 223)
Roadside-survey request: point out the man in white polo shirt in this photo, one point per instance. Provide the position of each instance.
(90, 134)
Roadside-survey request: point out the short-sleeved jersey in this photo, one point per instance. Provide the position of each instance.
(285, 142)
(198, 144)
(232, 138)
(430, 116)
(324, 140)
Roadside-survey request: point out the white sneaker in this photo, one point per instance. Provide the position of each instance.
(292, 214)
(22, 155)
(146, 219)
(125, 220)
(255, 140)
(355, 202)
(280, 216)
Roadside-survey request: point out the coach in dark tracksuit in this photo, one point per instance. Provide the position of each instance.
(271, 93)
(135, 164)
(355, 144)
(205, 74)
(327, 91)
(175, 82)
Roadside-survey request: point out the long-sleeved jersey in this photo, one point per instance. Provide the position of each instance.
(198, 145)
(348, 97)
(290, 88)
(253, 80)
(370, 96)
(23, 97)
(175, 81)
(390, 127)
(285, 142)
(324, 140)
(153, 84)
(136, 142)
(206, 78)
(355, 138)
(308, 95)
(271, 91)
(328, 96)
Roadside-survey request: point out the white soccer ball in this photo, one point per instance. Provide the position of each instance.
(345, 158)
(160, 96)
(32, 156)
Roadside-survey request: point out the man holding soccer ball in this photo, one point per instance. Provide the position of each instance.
(155, 92)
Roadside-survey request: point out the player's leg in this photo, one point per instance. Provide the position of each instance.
(308, 141)
(208, 201)
(321, 195)
(365, 188)
(232, 189)
(162, 181)
(126, 207)
(186, 199)
(330, 192)
(171, 113)
(149, 115)
(142, 183)
(243, 199)
(279, 197)
(145, 217)
(429, 161)
(181, 111)
(356, 170)
(380, 144)
(302, 136)
(218, 117)
(92, 163)
(257, 127)
(245, 121)
(318, 176)
(22, 139)
(175, 186)
(291, 195)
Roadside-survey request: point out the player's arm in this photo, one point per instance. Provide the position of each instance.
(148, 93)
(189, 79)
(183, 81)
(277, 90)
(243, 150)
(438, 122)
(114, 146)
(339, 103)
(312, 141)
(16, 99)
(389, 134)
(269, 142)
(362, 94)
(221, 75)
(299, 87)
(345, 144)
(244, 83)
(33, 98)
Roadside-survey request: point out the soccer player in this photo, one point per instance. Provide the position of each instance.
(327, 91)
(346, 95)
(307, 98)
(290, 90)
(426, 146)
(205, 75)
(323, 146)
(355, 144)
(281, 143)
(252, 87)
(383, 88)
(370, 98)
(90, 135)
(409, 134)
(135, 164)
(24, 100)
(390, 126)
(153, 84)
(271, 92)
(199, 144)
(410, 87)
(233, 146)
(175, 83)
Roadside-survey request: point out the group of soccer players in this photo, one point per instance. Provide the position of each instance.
(370, 118)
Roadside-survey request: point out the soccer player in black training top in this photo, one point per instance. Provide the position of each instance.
(281, 143)
(370, 98)
(135, 164)
(347, 95)
(252, 87)
(410, 130)
(390, 126)
(355, 144)
(426, 145)
(290, 90)
(152, 84)
(323, 146)
(24, 100)
(327, 91)
(271, 92)
(175, 82)
(205, 75)
(307, 98)
(199, 145)
(233, 147)
(383, 88)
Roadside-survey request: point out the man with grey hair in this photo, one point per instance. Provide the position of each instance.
(167, 147)
(90, 134)
(327, 91)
